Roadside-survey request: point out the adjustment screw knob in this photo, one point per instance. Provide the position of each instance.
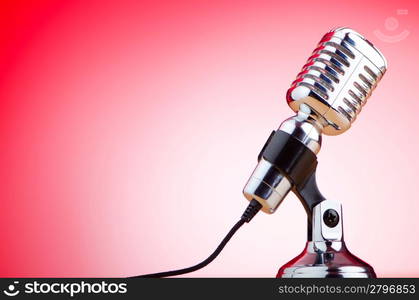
(331, 218)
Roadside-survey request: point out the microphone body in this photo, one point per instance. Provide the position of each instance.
(327, 95)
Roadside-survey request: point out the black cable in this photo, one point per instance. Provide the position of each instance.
(201, 264)
(251, 210)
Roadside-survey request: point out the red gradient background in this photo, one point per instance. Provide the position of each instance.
(129, 128)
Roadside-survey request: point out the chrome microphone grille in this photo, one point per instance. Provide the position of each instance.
(337, 79)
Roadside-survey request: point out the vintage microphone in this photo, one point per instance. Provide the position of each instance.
(327, 96)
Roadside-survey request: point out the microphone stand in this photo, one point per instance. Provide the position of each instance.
(325, 254)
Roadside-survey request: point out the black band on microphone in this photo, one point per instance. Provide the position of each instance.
(290, 156)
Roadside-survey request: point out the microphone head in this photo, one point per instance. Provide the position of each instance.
(337, 79)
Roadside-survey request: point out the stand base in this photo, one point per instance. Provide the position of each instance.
(326, 260)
